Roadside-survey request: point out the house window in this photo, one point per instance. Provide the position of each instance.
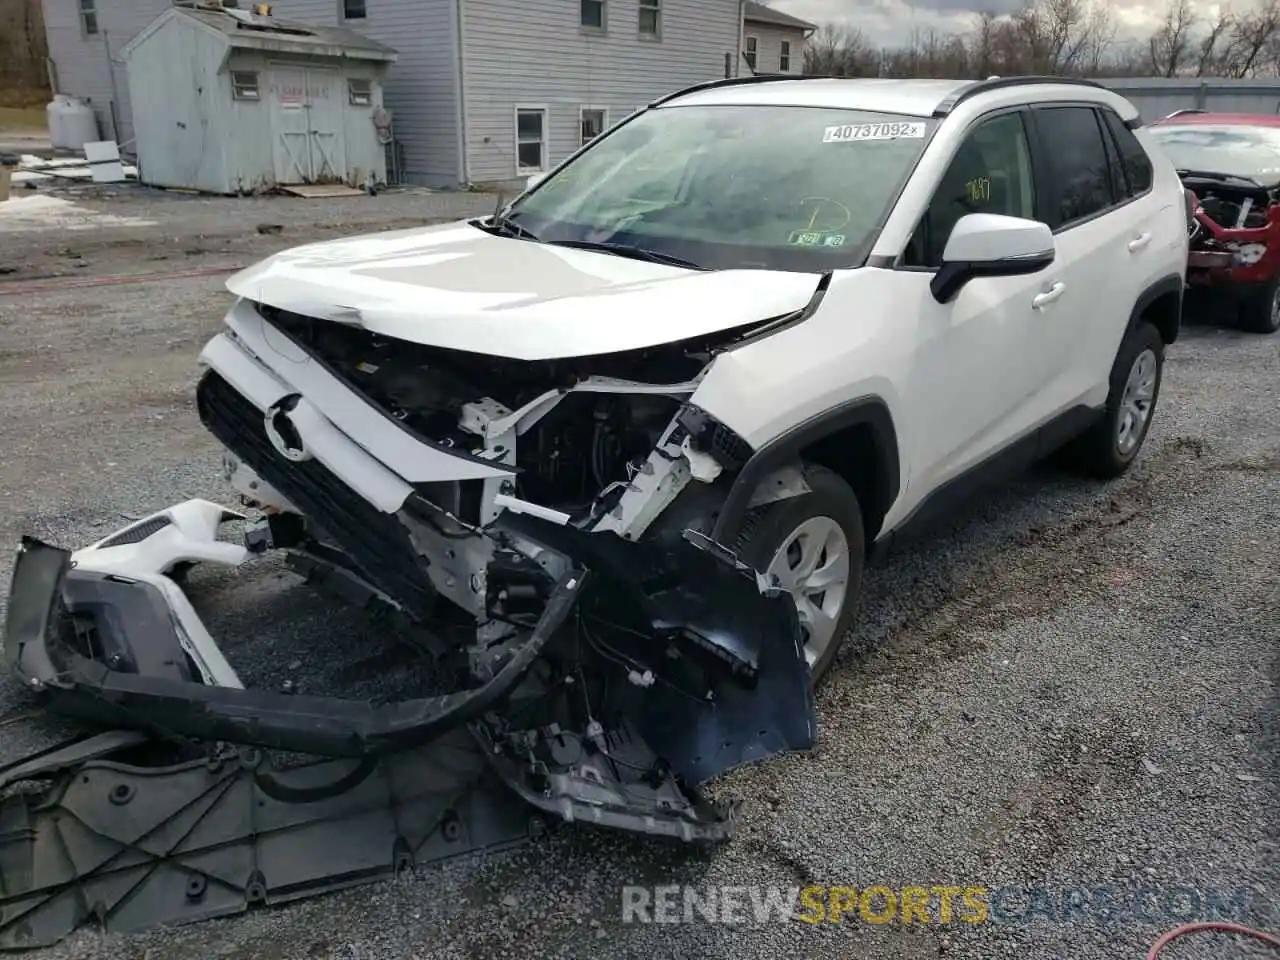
(359, 91)
(531, 139)
(594, 120)
(651, 18)
(591, 14)
(752, 46)
(244, 85)
(784, 56)
(88, 17)
(353, 10)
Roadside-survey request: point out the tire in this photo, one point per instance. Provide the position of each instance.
(828, 514)
(1260, 310)
(1110, 447)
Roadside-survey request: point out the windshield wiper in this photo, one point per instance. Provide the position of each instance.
(507, 227)
(627, 250)
(1214, 175)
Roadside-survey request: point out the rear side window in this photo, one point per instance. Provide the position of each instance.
(1079, 181)
(1133, 159)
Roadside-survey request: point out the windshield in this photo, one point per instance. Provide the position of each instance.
(724, 187)
(1241, 151)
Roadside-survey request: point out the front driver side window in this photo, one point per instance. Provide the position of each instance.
(990, 173)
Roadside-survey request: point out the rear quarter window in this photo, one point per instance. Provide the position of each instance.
(1133, 158)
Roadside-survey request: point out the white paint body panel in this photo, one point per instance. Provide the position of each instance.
(457, 287)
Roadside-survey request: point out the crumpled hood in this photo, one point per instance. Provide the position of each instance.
(456, 286)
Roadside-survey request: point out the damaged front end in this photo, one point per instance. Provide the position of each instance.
(1235, 232)
(609, 664)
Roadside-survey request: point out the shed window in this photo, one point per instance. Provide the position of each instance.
(591, 14)
(88, 17)
(360, 91)
(753, 46)
(651, 18)
(784, 56)
(244, 85)
(594, 120)
(353, 10)
(531, 143)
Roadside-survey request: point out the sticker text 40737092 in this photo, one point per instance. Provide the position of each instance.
(855, 132)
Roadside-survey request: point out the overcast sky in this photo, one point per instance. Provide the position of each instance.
(888, 22)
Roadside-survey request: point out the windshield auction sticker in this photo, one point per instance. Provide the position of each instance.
(856, 132)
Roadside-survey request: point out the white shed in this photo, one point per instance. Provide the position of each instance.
(232, 101)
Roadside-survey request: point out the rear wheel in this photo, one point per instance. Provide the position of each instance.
(813, 546)
(1110, 447)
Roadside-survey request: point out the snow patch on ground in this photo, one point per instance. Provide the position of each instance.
(42, 212)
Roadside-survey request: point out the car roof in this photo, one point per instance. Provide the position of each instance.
(1220, 119)
(920, 98)
(913, 97)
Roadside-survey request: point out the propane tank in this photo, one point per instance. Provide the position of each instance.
(72, 123)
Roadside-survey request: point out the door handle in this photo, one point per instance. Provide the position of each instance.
(1050, 295)
(1138, 242)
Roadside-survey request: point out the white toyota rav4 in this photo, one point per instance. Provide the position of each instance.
(705, 365)
(794, 313)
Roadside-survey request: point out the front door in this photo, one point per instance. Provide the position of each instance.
(977, 379)
(306, 119)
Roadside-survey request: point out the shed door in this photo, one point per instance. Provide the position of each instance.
(306, 118)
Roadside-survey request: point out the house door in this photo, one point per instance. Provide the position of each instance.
(306, 118)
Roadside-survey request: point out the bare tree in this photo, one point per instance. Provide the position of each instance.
(1252, 35)
(1171, 44)
(839, 50)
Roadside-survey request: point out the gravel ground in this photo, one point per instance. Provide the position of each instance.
(1073, 688)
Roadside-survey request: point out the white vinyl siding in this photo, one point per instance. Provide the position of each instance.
(769, 55)
(615, 69)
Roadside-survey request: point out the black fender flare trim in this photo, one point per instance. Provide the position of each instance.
(870, 410)
(1165, 285)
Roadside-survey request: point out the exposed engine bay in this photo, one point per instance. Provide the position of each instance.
(581, 445)
(1235, 236)
(603, 665)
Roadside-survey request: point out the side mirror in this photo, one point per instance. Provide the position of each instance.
(534, 180)
(991, 245)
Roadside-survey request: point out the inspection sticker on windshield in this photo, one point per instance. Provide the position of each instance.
(854, 132)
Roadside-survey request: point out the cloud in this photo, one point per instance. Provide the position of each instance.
(890, 22)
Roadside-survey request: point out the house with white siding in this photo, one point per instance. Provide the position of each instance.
(483, 91)
(773, 41)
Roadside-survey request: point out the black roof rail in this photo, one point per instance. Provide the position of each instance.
(1000, 83)
(732, 82)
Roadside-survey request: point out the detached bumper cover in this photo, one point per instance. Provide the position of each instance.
(50, 648)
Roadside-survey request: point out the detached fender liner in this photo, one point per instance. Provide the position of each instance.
(42, 642)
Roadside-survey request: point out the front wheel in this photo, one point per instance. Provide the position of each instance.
(813, 545)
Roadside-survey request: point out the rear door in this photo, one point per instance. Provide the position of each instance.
(1102, 233)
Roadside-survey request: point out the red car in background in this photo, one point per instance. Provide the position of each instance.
(1231, 163)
